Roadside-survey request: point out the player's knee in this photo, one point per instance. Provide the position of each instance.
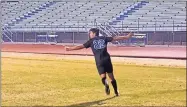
(103, 80)
(113, 80)
(111, 76)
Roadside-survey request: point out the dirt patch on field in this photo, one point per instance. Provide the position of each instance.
(123, 60)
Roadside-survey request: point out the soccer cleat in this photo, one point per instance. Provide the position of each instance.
(116, 93)
(107, 89)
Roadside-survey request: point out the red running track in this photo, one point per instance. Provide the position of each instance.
(138, 52)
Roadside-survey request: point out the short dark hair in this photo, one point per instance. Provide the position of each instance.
(95, 30)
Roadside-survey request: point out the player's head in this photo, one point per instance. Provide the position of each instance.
(93, 32)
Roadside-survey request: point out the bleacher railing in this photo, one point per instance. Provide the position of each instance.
(7, 33)
(107, 29)
(79, 34)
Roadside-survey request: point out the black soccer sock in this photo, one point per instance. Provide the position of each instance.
(114, 84)
(104, 80)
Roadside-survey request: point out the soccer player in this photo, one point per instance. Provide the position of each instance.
(98, 45)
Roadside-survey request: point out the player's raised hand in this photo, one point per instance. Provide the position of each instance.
(74, 48)
(130, 35)
(67, 48)
(123, 37)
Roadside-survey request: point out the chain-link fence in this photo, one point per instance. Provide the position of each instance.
(80, 35)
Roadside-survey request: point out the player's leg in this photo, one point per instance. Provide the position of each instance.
(103, 78)
(102, 73)
(105, 83)
(109, 69)
(113, 82)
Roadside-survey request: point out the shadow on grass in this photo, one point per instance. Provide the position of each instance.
(86, 104)
(133, 97)
(155, 93)
(167, 91)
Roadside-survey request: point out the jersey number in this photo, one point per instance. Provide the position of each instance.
(99, 44)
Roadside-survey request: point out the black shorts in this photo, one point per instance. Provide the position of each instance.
(105, 67)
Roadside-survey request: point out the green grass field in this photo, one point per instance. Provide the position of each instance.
(57, 82)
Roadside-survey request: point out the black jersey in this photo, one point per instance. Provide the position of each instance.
(99, 49)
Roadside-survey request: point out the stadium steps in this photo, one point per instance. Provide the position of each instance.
(64, 14)
(29, 14)
(129, 11)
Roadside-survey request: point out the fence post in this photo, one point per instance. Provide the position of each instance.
(95, 22)
(16, 37)
(73, 36)
(11, 35)
(155, 24)
(147, 35)
(122, 32)
(181, 39)
(138, 24)
(78, 29)
(163, 40)
(122, 26)
(35, 37)
(173, 36)
(47, 34)
(23, 37)
(168, 38)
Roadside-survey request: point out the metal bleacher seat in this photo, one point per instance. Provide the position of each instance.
(84, 12)
(163, 13)
(73, 13)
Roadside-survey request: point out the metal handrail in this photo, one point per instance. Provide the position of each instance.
(7, 36)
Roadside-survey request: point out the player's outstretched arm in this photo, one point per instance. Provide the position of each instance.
(74, 48)
(116, 38)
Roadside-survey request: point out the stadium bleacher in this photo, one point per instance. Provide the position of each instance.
(66, 13)
(163, 21)
(162, 13)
